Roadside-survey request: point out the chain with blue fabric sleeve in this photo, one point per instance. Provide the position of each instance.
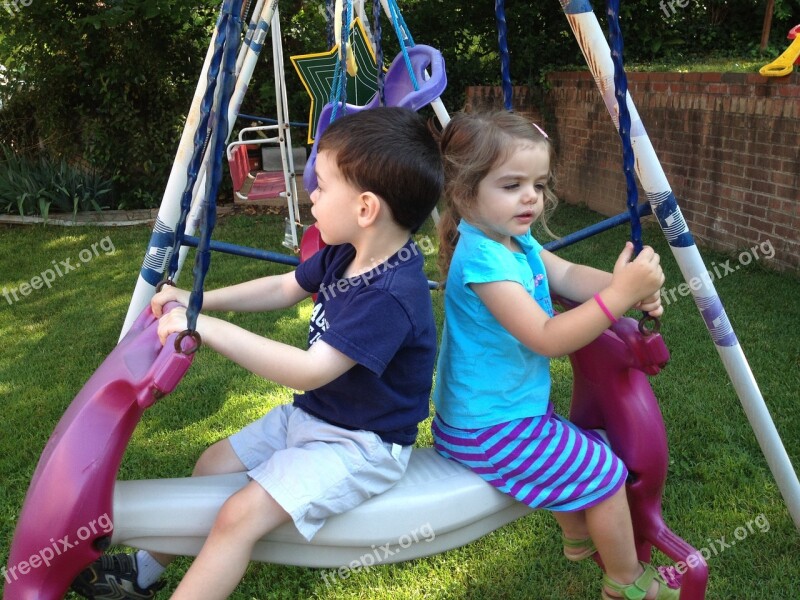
(621, 94)
(216, 99)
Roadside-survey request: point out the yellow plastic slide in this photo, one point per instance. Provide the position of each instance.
(784, 64)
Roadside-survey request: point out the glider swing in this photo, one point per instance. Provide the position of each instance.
(83, 455)
(74, 483)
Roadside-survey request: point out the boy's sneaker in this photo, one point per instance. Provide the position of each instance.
(113, 577)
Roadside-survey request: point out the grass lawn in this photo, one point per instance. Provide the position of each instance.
(746, 64)
(54, 338)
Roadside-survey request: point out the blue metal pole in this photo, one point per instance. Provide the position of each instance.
(257, 253)
(245, 251)
(641, 210)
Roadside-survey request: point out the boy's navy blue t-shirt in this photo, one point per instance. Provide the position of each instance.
(383, 320)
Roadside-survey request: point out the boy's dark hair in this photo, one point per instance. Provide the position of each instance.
(390, 152)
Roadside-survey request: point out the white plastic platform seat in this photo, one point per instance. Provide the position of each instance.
(438, 505)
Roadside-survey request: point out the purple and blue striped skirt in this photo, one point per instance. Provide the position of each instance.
(544, 462)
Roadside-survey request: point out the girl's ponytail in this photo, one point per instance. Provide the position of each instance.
(448, 237)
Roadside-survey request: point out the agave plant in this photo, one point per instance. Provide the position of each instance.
(32, 186)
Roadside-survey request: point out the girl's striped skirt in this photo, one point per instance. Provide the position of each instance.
(544, 462)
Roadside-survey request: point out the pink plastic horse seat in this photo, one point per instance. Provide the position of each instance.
(66, 521)
(611, 392)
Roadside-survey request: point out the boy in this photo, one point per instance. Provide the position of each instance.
(366, 374)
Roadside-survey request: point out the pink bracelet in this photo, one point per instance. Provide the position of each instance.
(604, 308)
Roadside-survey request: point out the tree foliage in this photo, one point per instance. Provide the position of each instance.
(108, 83)
(105, 83)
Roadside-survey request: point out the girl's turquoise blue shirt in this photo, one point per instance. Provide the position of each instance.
(484, 374)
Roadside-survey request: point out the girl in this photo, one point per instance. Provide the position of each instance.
(493, 412)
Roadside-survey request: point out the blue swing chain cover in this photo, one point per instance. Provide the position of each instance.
(505, 58)
(210, 134)
(621, 93)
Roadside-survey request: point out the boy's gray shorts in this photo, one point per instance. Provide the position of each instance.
(314, 469)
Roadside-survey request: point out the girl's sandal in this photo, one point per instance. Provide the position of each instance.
(580, 548)
(638, 589)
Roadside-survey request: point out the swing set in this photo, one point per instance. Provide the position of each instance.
(75, 480)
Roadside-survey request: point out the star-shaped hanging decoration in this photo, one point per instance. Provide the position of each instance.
(316, 72)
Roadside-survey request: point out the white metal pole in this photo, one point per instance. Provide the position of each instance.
(651, 175)
(285, 136)
(251, 51)
(160, 246)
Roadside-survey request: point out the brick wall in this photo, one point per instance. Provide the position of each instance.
(729, 144)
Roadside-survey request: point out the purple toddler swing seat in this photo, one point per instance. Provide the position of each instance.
(398, 91)
(65, 523)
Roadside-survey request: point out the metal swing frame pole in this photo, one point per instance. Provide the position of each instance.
(594, 46)
(159, 247)
(285, 136)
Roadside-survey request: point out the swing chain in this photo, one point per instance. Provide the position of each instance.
(166, 281)
(198, 341)
(646, 329)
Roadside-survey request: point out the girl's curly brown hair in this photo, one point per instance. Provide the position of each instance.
(472, 145)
